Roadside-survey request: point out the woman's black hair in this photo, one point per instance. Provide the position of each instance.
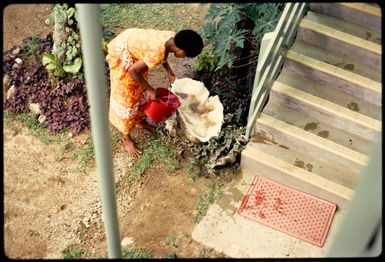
(189, 41)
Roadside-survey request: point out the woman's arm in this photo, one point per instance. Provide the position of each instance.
(170, 73)
(135, 72)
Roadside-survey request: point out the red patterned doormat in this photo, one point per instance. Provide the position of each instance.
(293, 212)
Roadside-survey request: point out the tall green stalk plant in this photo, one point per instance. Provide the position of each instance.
(66, 53)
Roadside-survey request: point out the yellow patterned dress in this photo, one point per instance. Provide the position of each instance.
(128, 98)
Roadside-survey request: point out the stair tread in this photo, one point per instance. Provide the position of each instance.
(314, 140)
(314, 126)
(331, 93)
(253, 151)
(369, 122)
(365, 7)
(340, 35)
(336, 71)
(362, 14)
(335, 59)
(285, 153)
(345, 26)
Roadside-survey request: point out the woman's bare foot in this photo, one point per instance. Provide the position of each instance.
(131, 148)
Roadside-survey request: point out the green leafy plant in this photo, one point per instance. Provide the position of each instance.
(32, 44)
(51, 64)
(229, 26)
(66, 51)
(206, 62)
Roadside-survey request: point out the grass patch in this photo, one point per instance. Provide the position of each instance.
(36, 129)
(32, 45)
(196, 168)
(156, 153)
(136, 253)
(71, 253)
(170, 240)
(205, 201)
(166, 16)
(86, 153)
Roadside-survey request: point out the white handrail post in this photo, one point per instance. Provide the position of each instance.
(270, 59)
(91, 40)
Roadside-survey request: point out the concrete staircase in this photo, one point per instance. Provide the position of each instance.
(314, 134)
(324, 110)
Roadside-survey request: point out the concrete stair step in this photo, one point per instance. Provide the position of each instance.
(325, 73)
(311, 124)
(296, 141)
(256, 158)
(363, 14)
(344, 62)
(359, 31)
(326, 111)
(329, 92)
(326, 32)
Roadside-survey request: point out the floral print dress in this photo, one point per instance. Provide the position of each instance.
(128, 98)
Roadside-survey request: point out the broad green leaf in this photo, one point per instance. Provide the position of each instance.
(70, 12)
(239, 41)
(74, 35)
(61, 15)
(51, 20)
(48, 58)
(75, 67)
(77, 16)
(51, 66)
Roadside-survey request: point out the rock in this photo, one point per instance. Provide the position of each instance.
(10, 92)
(86, 222)
(18, 61)
(16, 51)
(15, 132)
(127, 241)
(15, 66)
(6, 80)
(35, 108)
(42, 119)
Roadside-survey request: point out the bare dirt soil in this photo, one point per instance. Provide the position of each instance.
(51, 205)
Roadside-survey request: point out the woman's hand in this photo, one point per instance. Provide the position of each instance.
(171, 75)
(152, 94)
(171, 78)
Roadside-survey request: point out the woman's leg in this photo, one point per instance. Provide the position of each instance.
(130, 146)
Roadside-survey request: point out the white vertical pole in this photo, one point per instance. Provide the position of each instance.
(91, 40)
(363, 214)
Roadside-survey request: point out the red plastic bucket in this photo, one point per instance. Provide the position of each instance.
(160, 110)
